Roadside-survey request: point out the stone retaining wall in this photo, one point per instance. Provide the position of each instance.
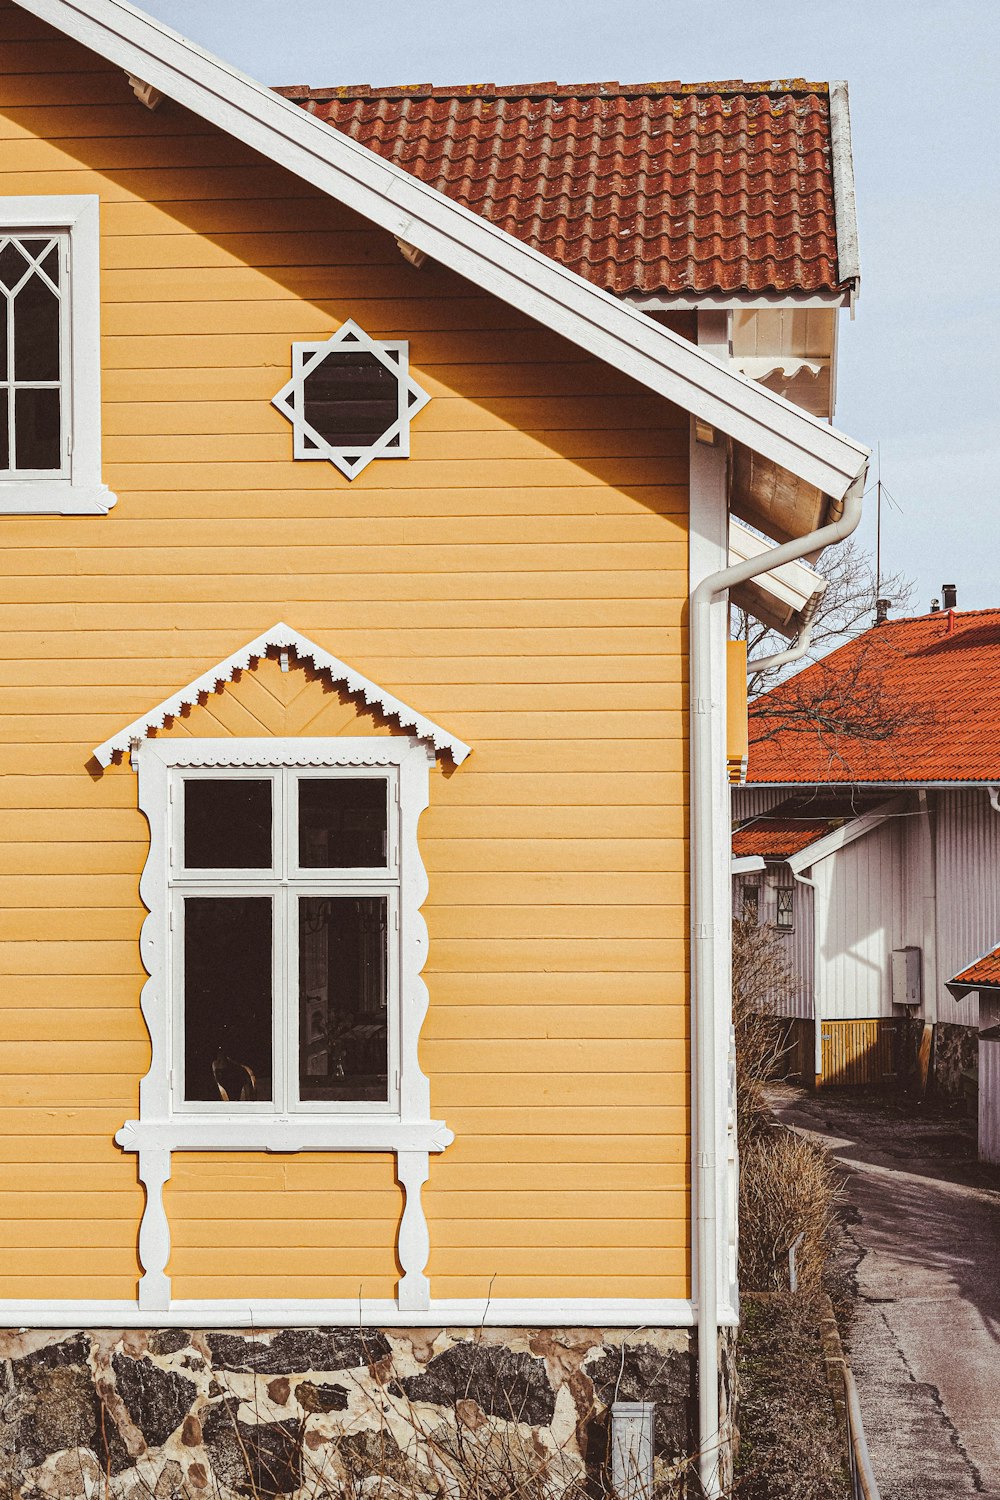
(210, 1415)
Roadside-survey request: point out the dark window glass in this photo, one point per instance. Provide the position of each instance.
(36, 428)
(50, 265)
(227, 998)
(343, 822)
(4, 432)
(12, 265)
(343, 1022)
(3, 337)
(784, 912)
(36, 331)
(351, 398)
(227, 824)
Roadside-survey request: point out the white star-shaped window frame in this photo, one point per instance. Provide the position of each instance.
(394, 442)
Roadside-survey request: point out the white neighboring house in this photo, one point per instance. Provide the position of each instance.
(882, 854)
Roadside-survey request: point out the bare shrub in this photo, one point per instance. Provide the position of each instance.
(788, 1187)
(762, 981)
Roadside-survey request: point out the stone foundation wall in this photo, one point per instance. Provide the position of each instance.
(956, 1062)
(188, 1415)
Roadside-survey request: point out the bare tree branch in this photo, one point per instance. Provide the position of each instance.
(846, 608)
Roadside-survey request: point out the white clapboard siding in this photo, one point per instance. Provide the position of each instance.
(861, 919)
(968, 892)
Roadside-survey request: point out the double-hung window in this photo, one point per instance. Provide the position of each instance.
(285, 941)
(284, 902)
(50, 403)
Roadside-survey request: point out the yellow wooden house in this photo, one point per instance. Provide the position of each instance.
(364, 935)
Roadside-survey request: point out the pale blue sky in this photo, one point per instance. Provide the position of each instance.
(918, 367)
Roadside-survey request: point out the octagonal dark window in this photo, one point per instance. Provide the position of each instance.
(351, 398)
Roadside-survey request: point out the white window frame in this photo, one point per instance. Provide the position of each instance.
(165, 1123)
(79, 488)
(410, 399)
(789, 891)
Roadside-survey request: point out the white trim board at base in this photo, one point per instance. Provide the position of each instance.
(498, 1312)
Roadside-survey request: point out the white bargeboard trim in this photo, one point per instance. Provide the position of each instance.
(830, 843)
(408, 209)
(282, 637)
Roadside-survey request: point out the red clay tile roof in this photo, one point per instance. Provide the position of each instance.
(795, 824)
(932, 683)
(983, 974)
(776, 838)
(656, 187)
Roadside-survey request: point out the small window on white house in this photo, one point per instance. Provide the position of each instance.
(783, 914)
(50, 411)
(751, 902)
(284, 899)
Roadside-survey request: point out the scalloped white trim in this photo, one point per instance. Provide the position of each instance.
(283, 637)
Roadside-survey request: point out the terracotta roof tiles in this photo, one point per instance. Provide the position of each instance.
(983, 974)
(933, 683)
(644, 188)
(798, 822)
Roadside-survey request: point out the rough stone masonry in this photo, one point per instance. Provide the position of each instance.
(180, 1415)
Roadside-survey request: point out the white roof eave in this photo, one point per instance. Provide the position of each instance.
(282, 637)
(389, 196)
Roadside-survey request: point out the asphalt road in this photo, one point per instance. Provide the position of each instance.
(922, 1221)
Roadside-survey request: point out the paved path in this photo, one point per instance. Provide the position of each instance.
(923, 1221)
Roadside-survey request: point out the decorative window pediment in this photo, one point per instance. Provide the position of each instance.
(351, 399)
(282, 637)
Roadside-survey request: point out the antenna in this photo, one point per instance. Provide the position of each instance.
(878, 521)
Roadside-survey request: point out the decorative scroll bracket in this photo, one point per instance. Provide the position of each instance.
(413, 1292)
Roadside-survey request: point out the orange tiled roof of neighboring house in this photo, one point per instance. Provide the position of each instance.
(652, 188)
(796, 823)
(775, 837)
(983, 974)
(933, 685)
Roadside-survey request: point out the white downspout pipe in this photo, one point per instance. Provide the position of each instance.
(817, 1017)
(795, 651)
(706, 698)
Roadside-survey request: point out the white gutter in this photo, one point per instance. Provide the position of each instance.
(747, 864)
(706, 697)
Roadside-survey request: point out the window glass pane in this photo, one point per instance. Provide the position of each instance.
(3, 337)
(351, 398)
(227, 998)
(36, 429)
(343, 822)
(4, 432)
(343, 1026)
(50, 265)
(36, 331)
(12, 265)
(227, 824)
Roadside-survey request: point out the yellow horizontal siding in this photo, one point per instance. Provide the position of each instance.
(521, 578)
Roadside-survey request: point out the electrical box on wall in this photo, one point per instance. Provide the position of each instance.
(906, 976)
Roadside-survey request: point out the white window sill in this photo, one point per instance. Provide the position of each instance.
(55, 497)
(284, 1133)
